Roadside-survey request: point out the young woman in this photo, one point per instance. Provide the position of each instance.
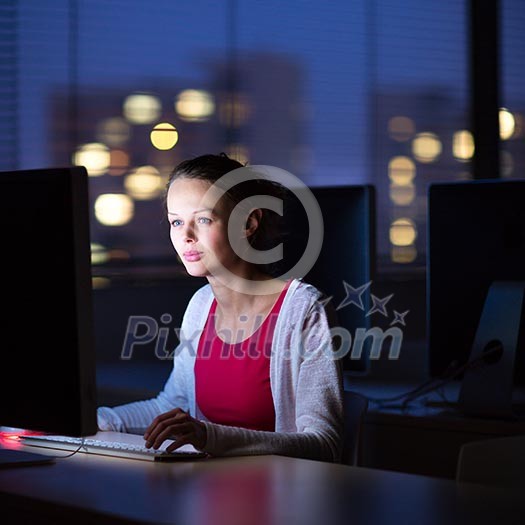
(253, 373)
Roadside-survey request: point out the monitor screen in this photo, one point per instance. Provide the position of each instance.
(476, 236)
(47, 359)
(347, 254)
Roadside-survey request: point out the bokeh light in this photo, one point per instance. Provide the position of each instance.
(114, 131)
(426, 147)
(164, 136)
(401, 170)
(463, 145)
(194, 105)
(99, 254)
(403, 232)
(142, 108)
(239, 153)
(402, 195)
(99, 282)
(94, 156)
(114, 209)
(506, 124)
(145, 183)
(403, 254)
(401, 128)
(119, 162)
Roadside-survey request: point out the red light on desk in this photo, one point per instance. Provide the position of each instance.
(8, 435)
(13, 434)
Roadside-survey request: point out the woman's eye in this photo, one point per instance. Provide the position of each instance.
(203, 220)
(176, 222)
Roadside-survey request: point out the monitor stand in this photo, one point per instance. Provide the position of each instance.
(20, 458)
(486, 390)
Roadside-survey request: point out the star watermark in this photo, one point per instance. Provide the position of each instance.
(379, 305)
(399, 318)
(354, 295)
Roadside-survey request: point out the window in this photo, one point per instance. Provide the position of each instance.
(512, 111)
(338, 93)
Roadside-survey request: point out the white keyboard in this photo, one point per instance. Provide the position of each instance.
(118, 444)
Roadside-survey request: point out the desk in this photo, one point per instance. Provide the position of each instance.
(257, 490)
(421, 439)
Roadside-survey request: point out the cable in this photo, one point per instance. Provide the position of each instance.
(451, 373)
(404, 394)
(478, 362)
(82, 442)
(71, 453)
(424, 385)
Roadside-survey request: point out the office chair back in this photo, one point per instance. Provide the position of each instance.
(494, 461)
(354, 408)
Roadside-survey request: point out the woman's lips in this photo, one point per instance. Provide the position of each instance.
(192, 256)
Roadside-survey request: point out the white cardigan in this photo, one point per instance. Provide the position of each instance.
(306, 383)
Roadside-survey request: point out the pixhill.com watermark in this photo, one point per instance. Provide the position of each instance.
(145, 330)
(370, 341)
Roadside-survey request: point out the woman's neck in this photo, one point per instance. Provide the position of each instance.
(240, 295)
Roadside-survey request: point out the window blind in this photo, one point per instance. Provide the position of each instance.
(8, 85)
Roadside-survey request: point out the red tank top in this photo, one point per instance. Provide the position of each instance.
(232, 381)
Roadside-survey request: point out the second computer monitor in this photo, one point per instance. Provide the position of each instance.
(347, 254)
(476, 238)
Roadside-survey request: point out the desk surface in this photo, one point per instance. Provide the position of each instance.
(254, 490)
(419, 413)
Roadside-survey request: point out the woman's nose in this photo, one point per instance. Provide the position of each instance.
(188, 233)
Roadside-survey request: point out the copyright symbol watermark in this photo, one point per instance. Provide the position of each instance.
(237, 222)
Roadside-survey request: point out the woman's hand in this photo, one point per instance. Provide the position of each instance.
(177, 425)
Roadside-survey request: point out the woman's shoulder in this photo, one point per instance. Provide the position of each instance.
(308, 300)
(302, 297)
(306, 291)
(200, 301)
(202, 294)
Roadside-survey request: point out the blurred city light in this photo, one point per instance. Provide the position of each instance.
(239, 153)
(403, 232)
(506, 124)
(164, 136)
(141, 108)
(401, 170)
(403, 254)
(99, 254)
(119, 162)
(402, 195)
(401, 128)
(463, 145)
(145, 183)
(94, 156)
(114, 209)
(194, 105)
(114, 131)
(426, 147)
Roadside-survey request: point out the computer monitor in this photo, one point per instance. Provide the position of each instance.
(47, 360)
(476, 272)
(347, 255)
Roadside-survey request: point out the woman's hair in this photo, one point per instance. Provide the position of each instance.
(211, 168)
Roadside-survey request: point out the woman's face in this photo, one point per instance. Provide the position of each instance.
(199, 227)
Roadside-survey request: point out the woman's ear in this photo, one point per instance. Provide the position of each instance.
(253, 222)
